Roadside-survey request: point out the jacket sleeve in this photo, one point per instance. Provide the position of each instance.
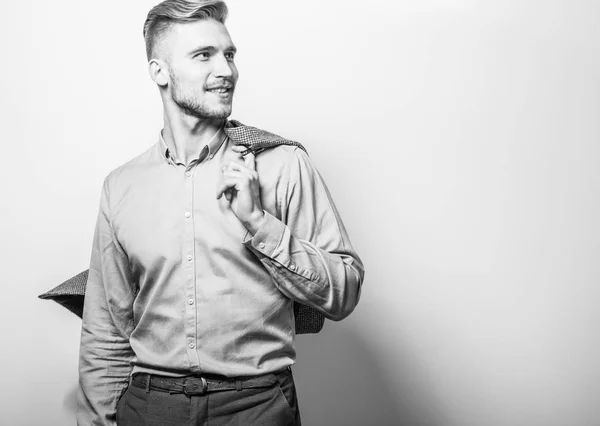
(105, 352)
(309, 254)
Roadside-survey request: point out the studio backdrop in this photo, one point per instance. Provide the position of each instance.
(459, 140)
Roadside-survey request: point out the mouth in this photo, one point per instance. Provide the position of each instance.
(221, 90)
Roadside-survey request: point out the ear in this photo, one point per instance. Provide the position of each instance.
(158, 72)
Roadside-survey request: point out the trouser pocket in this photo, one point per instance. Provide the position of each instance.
(287, 390)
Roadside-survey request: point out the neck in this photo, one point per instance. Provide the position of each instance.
(186, 135)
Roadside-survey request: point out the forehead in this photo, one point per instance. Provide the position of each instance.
(182, 38)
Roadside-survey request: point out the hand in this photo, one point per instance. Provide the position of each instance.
(241, 189)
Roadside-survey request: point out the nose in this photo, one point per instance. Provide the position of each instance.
(223, 67)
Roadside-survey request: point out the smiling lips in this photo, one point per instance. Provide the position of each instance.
(221, 90)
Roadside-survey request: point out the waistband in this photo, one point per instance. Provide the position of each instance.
(204, 383)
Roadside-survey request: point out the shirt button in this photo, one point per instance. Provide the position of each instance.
(293, 267)
(261, 245)
(191, 345)
(188, 214)
(188, 174)
(189, 257)
(191, 301)
(211, 156)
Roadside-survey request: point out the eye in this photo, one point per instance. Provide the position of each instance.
(230, 56)
(203, 56)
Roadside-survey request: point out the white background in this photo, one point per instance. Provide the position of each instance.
(459, 140)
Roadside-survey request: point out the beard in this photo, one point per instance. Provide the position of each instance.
(194, 108)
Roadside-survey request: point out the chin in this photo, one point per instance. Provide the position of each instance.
(208, 113)
(222, 112)
(213, 109)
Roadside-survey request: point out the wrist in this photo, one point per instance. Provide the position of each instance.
(255, 221)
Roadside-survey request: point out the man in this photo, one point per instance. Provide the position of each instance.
(200, 251)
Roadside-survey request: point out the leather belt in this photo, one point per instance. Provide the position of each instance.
(202, 384)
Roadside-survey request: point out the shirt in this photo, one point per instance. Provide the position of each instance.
(178, 286)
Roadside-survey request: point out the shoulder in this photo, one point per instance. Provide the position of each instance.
(283, 162)
(285, 168)
(133, 169)
(282, 154)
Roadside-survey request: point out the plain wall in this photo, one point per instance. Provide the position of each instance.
(459, 140)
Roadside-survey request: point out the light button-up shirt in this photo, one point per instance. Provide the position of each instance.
(178, 286)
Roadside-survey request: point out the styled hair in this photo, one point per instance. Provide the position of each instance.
(162, 16)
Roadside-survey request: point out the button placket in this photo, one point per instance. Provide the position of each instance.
(190, 268)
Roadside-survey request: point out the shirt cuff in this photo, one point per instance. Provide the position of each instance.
(267, 237)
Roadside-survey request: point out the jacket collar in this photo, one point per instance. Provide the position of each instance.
(256, 140)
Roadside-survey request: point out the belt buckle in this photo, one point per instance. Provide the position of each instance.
(191, 389)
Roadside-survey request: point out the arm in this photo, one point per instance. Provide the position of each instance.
(107, 322)
(310, 256)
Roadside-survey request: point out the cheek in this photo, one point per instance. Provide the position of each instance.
(192, 76)
(196, 81)
(192, 86)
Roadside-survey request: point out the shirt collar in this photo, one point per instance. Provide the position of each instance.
(213, 146)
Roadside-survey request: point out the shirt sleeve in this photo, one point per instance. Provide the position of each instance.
(308, 253)
(107, 323)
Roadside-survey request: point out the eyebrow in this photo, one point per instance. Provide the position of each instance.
(230, 48)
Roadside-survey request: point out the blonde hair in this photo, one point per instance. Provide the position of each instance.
(162, 16)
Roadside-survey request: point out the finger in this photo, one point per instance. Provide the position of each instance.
(223, 187)
(239, 152)
(236, 166)
(250, 161)
(238, 148)
(238, 174)
(238, 155)
(229, 183)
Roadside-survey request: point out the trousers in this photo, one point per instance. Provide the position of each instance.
(274, 404)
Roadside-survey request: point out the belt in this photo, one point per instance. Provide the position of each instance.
(202, 384)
